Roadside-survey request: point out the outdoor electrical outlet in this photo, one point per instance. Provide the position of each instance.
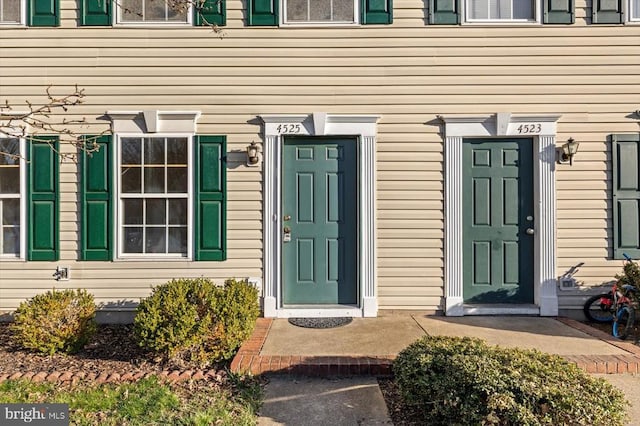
(62, 273)
(567, 283)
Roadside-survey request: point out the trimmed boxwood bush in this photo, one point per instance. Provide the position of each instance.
(193, 320)
(56, 321)
(464, 381)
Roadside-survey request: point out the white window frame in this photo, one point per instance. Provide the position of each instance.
(118, 21)
(23, 16)
(537, 17)
(23, 204)
(120, 254)
(284, 22)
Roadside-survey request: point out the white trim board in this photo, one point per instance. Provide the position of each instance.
(364, 128)
(543, 131)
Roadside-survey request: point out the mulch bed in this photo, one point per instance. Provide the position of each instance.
(112, 349)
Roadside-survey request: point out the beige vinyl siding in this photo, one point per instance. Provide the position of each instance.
(408, 73)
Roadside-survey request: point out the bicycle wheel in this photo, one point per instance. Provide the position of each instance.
(623, 325)
(598, 308)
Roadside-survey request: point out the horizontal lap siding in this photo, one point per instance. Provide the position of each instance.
(408, 73)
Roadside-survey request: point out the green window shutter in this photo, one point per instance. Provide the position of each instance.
(262, 12)
(44, 13)
(444, 12)
(377, 12)
(626, 195)
(212, 12)
(43, 240)
(607, 12)
(96, 202)
(95, 12)
(210, 198)
(559, 11)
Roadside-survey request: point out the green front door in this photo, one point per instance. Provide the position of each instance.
(498, 222)
(320, 210)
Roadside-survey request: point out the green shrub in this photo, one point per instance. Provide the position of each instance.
(463, 381)
(56, 321)
(193, 320)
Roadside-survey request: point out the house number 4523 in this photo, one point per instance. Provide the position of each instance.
(524, 129)
(288, 128)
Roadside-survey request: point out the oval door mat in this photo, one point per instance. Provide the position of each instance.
(320, 322)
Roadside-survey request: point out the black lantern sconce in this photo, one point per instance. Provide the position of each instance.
(567, 151)
(253, 154)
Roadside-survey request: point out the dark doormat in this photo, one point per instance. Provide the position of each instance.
(320, 322)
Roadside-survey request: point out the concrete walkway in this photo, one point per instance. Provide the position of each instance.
(352, 354)
(368, 346)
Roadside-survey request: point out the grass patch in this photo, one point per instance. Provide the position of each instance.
(146, 402)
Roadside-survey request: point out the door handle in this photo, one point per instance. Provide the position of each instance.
(286, 234)
(530, 231)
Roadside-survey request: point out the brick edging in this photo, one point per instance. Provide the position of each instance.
(74, 377)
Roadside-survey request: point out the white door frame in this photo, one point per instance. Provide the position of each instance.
(543, 131)
(364, 128)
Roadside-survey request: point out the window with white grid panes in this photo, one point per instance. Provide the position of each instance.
(10, 191)
(153, 12)
(501, 11)
(320, 11)
(154, 196)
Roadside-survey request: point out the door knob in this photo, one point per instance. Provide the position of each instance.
(530, 231)
(286, 217)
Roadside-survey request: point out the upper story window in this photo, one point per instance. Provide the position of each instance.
(153, 12)
(10, 198)
(501, 11)
(11, 12)
(320, 11)
(154, 196)
(635, 10)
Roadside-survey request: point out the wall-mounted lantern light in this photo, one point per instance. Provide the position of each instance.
(568, 150)
(253, 155)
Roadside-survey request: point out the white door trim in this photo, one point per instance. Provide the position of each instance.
(543, 131)
(364, 127)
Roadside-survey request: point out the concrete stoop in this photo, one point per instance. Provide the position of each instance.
(250, 360)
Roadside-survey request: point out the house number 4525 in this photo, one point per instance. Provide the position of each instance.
(524, 129)
(288, 128)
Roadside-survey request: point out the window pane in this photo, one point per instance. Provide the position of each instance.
(177, 180)
(177, 212)
(320, 10)
(132, 240)
(155, 241)
(154, 151)
(9, 180)
(176, 151)
(343, 10)
(131, 10)
(132, 180)
(132, 151)
(155, 212)
(132, 212)
(11, 147)
(153, 180)
(523, 9)
(297, 10)
(636, 9)
(10, 11)
(10, 211)
(177, 15)
(177, 240)
(11, 241)
(154, 10)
